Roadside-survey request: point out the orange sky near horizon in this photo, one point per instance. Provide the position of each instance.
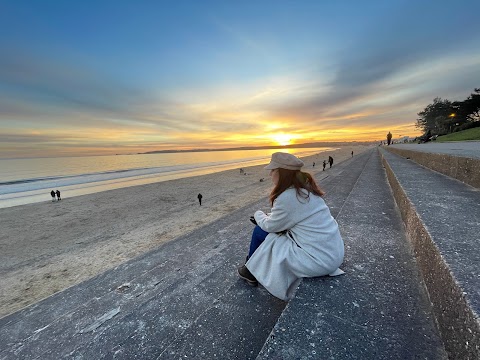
(74, 144)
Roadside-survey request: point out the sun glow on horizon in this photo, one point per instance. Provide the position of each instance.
(282, 139)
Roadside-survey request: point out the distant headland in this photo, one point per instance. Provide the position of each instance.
(292, 146)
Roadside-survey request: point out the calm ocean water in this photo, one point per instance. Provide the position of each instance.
(24, 181)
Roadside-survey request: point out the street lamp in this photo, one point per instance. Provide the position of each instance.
(451, 116)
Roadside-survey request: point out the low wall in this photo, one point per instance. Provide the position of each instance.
(457, 322)
(460, 168)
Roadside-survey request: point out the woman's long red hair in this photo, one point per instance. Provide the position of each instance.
(298, 179)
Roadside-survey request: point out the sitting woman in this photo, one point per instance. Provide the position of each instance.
(298, 238)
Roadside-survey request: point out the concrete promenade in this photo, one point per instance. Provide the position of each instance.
(465, 149)
(458, 160)
(184, 299)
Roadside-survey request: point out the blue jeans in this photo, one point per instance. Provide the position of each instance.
(258, 236)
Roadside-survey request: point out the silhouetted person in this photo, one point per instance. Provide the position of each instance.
(199, 196)
(330, 161)
(314, 164)
(324, 164)
(53, 195)
(58, 195)
(389, 138)
(352, 153)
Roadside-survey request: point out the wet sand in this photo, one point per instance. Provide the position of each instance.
(47, 247)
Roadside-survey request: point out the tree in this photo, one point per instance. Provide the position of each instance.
(436, 117)
(469, 109)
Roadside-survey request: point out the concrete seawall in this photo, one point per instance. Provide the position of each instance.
(460, 168)
(454, 304)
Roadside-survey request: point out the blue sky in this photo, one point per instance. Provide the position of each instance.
(102, 77)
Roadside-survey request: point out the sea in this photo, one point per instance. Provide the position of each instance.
(26, 181)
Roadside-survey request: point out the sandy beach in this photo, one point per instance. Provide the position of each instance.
(47, 247)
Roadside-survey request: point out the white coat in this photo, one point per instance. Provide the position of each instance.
(312, 246)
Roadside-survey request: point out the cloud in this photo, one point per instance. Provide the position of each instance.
(388, 47)
(50, 87)
(395, 92)
(25, 138)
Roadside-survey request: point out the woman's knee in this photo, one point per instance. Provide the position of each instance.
(259, 233)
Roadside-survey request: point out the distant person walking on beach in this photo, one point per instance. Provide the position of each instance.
(389, 138)
(52, 193)
(330, 161)
(298, 238)
(352, 153)
(324, 164)
(199, 196)
(314, 164)
(58, 195)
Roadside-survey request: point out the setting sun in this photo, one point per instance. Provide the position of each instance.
(282, 139)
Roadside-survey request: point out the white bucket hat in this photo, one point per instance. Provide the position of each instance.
(284, 161)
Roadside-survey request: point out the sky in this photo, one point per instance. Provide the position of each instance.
(120, 77)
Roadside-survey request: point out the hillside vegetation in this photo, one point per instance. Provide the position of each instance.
(470, 134)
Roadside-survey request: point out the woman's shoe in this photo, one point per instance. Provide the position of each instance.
(246, 275)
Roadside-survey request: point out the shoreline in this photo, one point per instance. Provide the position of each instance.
(50, 246)
(23, 191)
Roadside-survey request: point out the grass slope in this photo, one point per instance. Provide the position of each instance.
(470, 134)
